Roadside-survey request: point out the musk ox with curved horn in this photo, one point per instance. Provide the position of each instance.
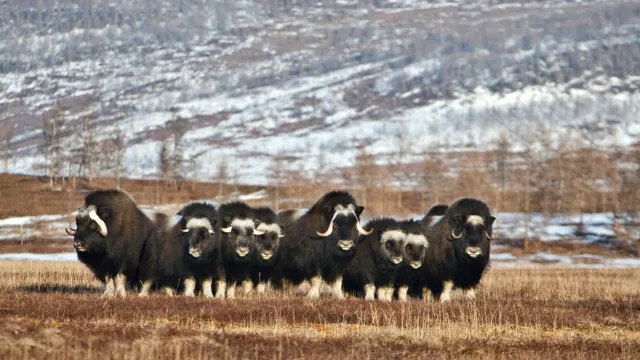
(459, 249)
(111, 233)
(189, 253)
(377, 260)
(267, 235)
(320, 244)
(236, 242)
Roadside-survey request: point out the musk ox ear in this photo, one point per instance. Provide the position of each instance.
(104, 213)
(359, 210)
(456, 221)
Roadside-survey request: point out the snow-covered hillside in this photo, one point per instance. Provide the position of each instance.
(312, 81)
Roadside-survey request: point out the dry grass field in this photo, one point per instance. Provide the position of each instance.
(55, 310)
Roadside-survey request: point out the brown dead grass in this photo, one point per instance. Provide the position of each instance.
(55, 310)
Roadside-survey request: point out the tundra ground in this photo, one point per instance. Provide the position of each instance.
(55, 310)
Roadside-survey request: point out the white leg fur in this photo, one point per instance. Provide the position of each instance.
(207, 291)
(247, 287)
(336, 288)
(231, 291)
(221, 289)
(382, 293)
(190, 287)
(314, 291)
(389, 295)
(146, 287)
(121, 283)
(446, 291)
(402, 293)
(169, 291)
(110, 287)
(470, 294)
(261, 288)
(369, 292)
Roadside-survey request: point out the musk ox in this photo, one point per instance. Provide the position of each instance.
(236, 242)
(459, 249)
(377, 260)
(414, 253)
(110, 235)
(320, 244)
(188, 253)
(267, 236)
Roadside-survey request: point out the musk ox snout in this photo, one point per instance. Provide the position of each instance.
(415, 264)
(195, 252)
(79, 246)
(242, 251)
(266, 254)
(473, 251)
(345, 245)
(396, 260)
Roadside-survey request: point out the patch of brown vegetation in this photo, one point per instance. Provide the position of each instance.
(54, 310)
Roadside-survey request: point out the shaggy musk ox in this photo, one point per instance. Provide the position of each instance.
(110, 235)
(459, 248)
(267, 236)
(377, 260)
(319, 244)
(236, 242)
(188, 253)
(414, 253)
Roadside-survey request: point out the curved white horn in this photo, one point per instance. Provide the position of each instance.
(453, 234)
(227, 229)
(330, 229)
(211, 231)
(258, 232)
(185, 230)
(101, 225)
(280, 235)
(70, 231)
(486, 233)
(361, 230)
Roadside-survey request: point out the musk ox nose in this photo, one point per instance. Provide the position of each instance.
(266, 254)
(242, 251)
(195, 252)
(345, 244)
(79, 246)
(396, 259)
(473, 251)
(415, 264)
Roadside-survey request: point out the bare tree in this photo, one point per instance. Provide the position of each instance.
(364, 172)
(177, 128)
(51, 130)
(120, 146)
(222, 175)
(277, 176)
(6, 139)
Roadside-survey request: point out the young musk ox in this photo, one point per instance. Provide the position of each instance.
(459, 252)
(413, 252)
(189, 253)
(237, 229)
(267, 236)
(110, 235)
(320, 244)
(377, 260)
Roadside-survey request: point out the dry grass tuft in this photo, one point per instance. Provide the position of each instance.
(55, 310)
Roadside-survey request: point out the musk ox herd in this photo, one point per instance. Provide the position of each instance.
(211, 250)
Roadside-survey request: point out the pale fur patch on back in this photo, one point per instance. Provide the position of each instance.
(417, 239)
(394, 235)
(195, 223)
(274, 228)
(475, 220)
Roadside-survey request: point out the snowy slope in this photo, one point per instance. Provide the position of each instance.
(314, 81)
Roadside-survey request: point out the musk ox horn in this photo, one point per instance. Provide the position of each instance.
(70, 231)
(211, 231)
(330, 229)
(185, 230)
(453, 234)
(258, 232)
(280, 235)
(227, 229)
(101, 225)
(486, 233)
(361, 230)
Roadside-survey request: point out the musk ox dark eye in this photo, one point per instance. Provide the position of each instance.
(93, 226)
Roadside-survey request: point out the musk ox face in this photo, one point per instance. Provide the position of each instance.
(91, 228)
(471, 235)
(238, 234)
(344, 226)
(415, 249)
(200, 235)
(267, 237)
(391, 245)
